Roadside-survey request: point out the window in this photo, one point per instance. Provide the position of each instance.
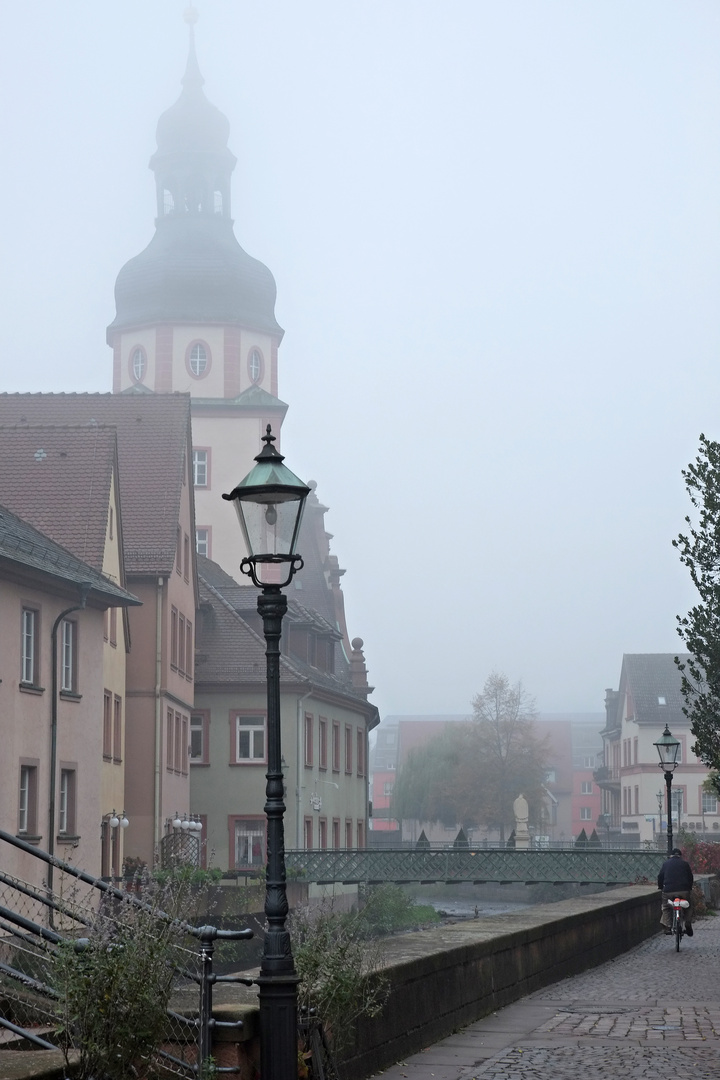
(388, 787)
(107, 725)
(199, 734)
(586, 787)
(709, 803)
(168, 202)
(198, 359)
(178, 550)
(585, 813)
(113, 627)
(308, 739)
(186, 552)
(322, 834)
(336, 746)
(661, 699)
(677, 800)
(202, 542)
(308, 833)
(173, 637)
(181, 644)
(68, 656)
(217, 202)
(249, 841)
(179, 751)
(27, 807)
(589, 761)
(348, 749)
(66, 803)
(138, 363)
(188, 650)
(200, 468)
(348, 835)
(361, 834)
(635, 751)
(169, 740)
(117, 730)
(360, 752)
(249, 739)
(336, 833)
(29, 647)
(255, 365)
(636, 794)
(184, 746)
(322, 743)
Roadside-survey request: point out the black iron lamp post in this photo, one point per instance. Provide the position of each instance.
(667, 748)
(269, 503)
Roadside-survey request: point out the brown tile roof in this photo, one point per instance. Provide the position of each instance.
(25, 549)
(153, 432)
(58, 479)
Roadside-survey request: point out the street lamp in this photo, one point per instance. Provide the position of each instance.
(269, 503)
(667, 748)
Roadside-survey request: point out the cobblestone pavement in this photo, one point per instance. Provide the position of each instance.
(648, 1014)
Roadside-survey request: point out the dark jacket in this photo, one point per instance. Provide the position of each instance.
(675, 875)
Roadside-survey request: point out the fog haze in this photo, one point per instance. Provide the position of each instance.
(495, 234)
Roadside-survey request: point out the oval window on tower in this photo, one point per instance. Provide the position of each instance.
(198, 359)
(255, 365)
(138, 364)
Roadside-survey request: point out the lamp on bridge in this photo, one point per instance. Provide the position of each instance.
(269, 503)
(668, 748)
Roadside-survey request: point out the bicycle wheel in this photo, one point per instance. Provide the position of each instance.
(678, 930)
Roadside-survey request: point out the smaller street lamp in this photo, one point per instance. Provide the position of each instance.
(668, 748)
(269, 503)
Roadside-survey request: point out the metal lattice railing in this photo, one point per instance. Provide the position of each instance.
(37, 923)
(503, 866)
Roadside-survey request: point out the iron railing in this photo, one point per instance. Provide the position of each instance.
(35, 922)
(479, 866)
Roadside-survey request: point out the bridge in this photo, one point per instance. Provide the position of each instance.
(478, 866)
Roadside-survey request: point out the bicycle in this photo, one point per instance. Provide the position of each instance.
(678, 919)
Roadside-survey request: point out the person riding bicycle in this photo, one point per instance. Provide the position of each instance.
(676, 880)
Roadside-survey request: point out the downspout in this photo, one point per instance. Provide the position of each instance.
(158, 712)
(84, 590)
(298, 758)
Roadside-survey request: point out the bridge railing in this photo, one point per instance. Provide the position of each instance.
(476, 865)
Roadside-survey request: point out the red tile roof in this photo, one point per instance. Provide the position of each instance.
(153, 435)
(58, 479)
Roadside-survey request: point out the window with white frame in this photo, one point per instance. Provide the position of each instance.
(709, 803)
(199, 738)
(202, 542)
(27, 808)
(677, 800)
(66, 803)
(198, 359)
(254, 365)
(586, 787)
(585, 813)
(200, 468)
(29, 647)
(68, 656)
(138, 363)
(249, 842)
(249, 738)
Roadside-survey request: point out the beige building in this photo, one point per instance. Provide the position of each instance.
(52, 787)
(630, 777)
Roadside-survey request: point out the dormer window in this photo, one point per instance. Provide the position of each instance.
(168, 202)
(217, 202)
(661, 700)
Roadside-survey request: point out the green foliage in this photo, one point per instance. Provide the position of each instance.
(472, 773)
(116, 984)
(188, 875)
(339, 971)
(387, 909)
(700, 628)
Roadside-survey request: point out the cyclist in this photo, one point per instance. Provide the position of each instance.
(675, 879)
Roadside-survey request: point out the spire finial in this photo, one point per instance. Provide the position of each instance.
(192, 77)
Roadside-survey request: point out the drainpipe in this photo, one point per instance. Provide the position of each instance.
(158, 711)
(84, 590)
(298, 760)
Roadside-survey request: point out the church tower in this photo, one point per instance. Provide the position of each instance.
(195, 313)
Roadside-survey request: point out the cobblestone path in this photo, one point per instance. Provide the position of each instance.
(649, 1014)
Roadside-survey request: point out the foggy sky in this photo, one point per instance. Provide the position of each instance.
(494, 229)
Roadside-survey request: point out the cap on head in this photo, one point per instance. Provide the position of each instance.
(676, 851)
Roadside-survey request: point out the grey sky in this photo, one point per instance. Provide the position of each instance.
(494, 229)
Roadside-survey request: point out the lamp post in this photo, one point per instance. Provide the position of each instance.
(667, 748)
(269, 503)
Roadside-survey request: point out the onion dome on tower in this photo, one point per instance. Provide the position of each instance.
(193, 270)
